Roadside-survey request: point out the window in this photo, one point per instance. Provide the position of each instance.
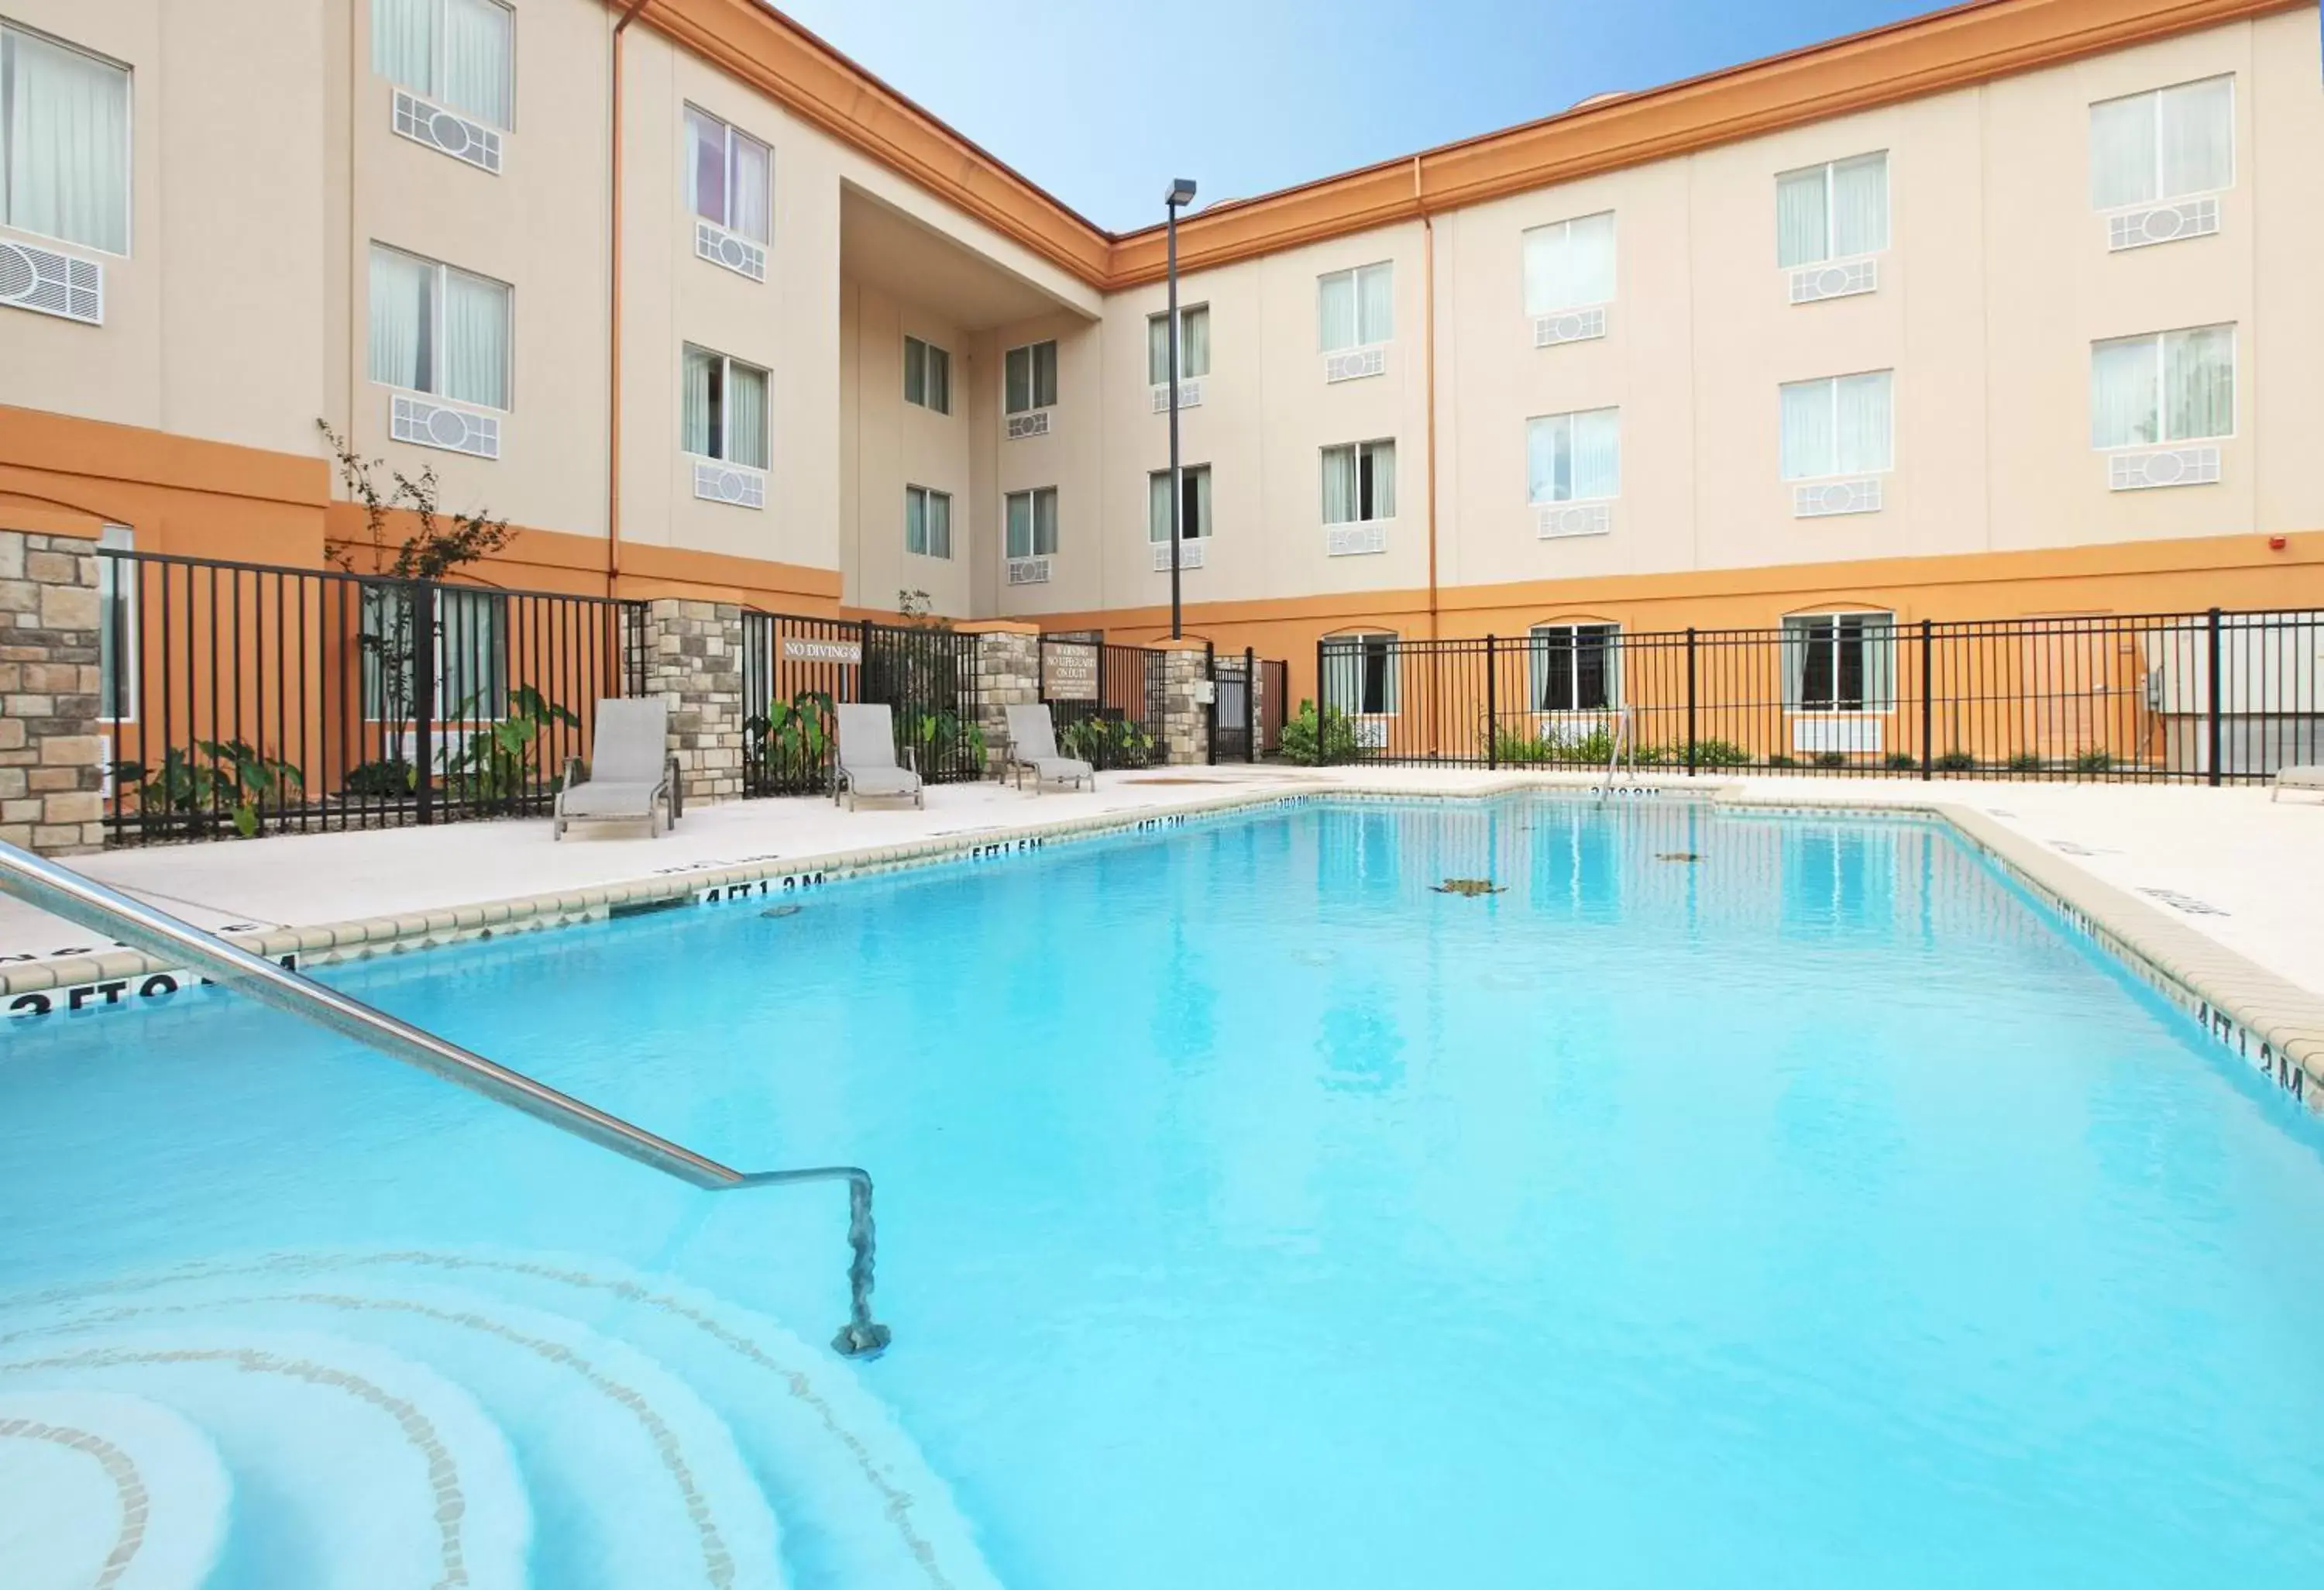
(1569, 264)
(1573, 667)
(725, 412)
(1357, 309)
(117, 626)
(927, 522)
(729, 176)
(1194, 344)
(1030, 377)
(1360, 482)
(927, 375)
(2177, 386)
(1841, 425)
(439, 330)
(2164, 143)
(470, 647)
(64, 142)
(1195, 504)
(1575, 457)
(1033, 523)
(1839, 662)
(459, 53)
(1359, 673)
(1833, 211)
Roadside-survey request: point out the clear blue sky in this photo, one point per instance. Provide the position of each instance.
(1274, 92)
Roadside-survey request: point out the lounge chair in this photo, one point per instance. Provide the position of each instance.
(2307, 777)
(632, 774)
(865, 761)
(1033, 748)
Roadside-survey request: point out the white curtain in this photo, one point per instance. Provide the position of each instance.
(1045, 522)
(472, 684)
(1382, 456)
(1864, 422)
(1343, 674)
(2122, 152)
(705, 165)
(68, 143)
(939, 525)
(475, 340)
(1158, 505)
(1020, 524)
(1158, 350)
(1194, 342)
(2198, 383)
(916, 519)
(1044, 373)
(746, 415)
(1339, 486)
(939, 385)
(1811, 446)
(754, 189)
(2196, 142)
(1879, 643)
(1201, 478)
(476, 60)
(1597, 454)
(1335, 305)
(1859, 204)
(1802, 235)
(403, 43)
(1569, 264)
(1017, 380)
(400, 289)
(1549, 458)
(2122, 392)
(1375, 304)
(698, 408)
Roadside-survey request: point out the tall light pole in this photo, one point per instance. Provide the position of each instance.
(1181, 192)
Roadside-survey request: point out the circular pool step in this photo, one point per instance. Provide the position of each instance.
(106, 1491)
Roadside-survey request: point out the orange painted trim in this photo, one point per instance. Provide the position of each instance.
(99, 450)
(29, 515)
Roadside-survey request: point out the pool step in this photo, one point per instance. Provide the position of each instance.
(522, 1417)
(96, 1484)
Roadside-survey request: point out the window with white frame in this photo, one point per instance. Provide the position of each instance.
(1839, 662)
(1194, 344)
(1030, 377)
(1357, 307)
(927, 522)
(437, 329)
(471, 651)
(1194, 504)
(1573, 667)
(460, 54)
(1569, 264)
(722, 408)
(64, 141)
(1359, 673)
(927, 375)
(2172, 387)
(1360, 482)
(1575, 457)
(2164, 143)
(1833, 211)
(1839, 425)
(117, 626)
(1032, 518)
(730, 176)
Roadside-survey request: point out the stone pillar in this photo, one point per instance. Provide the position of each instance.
(51, 759)
(1186, 702)
(1008, 674)
(694, 659)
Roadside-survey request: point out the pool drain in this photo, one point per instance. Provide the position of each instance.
(1678, 856)
(1472, 887)
(781, 911)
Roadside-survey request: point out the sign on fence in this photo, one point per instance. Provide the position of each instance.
(1069, 673)
(799, 649)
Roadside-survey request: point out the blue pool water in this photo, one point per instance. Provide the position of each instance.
(1812, 1213)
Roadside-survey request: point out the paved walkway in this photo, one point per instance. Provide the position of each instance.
(2245, 874)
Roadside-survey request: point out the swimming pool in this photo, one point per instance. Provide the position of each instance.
(1729, 1200)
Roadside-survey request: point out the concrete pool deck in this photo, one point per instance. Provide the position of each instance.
(2219, 890)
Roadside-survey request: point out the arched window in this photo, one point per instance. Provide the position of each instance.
(1575, 667)
(1360, 673)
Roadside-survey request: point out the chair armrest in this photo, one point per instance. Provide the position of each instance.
(572, 773)
(676, 787)
(912, 757)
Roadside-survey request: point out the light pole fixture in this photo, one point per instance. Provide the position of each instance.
(1181, 193)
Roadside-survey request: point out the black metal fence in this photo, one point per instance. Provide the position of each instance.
(1106, 701)
(1247, 706)
(240, 697)
(796, 669)
(2213, 696)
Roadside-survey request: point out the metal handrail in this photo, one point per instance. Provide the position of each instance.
(82, 900)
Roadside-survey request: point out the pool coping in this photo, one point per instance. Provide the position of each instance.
(2272, 1024)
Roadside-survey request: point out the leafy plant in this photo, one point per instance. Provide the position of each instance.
(1714, 753)
(390, 776)
(1310, 737)
(1513, 749)
(1956, 761)
(2094, 761)
(239, 782)
(1106, 741)
(1831, 759)
(1902, 761)
(918, 609)
(2026, 762)
(943, 739)
(1780, 759)
(496, 764)
(791, 743)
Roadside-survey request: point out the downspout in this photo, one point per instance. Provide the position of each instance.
(1428, 359)
(613, 319)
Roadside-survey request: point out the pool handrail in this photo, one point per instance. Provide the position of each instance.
(80, 900)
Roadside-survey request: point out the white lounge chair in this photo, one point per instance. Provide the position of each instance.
(864, 762)
(1033, 748)
(632, 774)
(2309, 776)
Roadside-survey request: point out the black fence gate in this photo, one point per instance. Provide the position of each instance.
(1106, 701)
(1245, 706)
(797, 668)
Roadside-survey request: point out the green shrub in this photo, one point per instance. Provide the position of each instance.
(390, 776)
(1902, 761)
(1717, 753)
(2026, 762)
(1956, 761)
(1780, 760)
(1831, 759)
(2094, 761)
(1311, 738)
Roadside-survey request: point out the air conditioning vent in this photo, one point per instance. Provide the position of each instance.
(737, 484)
(1573, 326)
(430, 424)
(1553, 521)
(50, 283)
(440, 130)
(2165, 223)
(1370, 733)
(1190, 554)
(1035, 423)
(714, 243)
(1821, 499)
(1845, 279)
(1355, 365)
(2138, 471)
(1351, 540)
(1028, 571)
(1190, 396)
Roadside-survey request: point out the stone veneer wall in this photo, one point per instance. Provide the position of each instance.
(1008, 674)
(1185, 718)
(51, 759)
(694, 658)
